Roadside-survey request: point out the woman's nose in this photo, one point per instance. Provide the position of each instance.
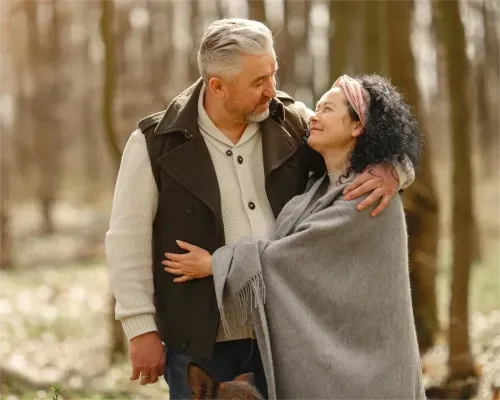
(313, 118)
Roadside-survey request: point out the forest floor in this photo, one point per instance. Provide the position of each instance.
(55, 306)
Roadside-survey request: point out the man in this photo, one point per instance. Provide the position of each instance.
(218, 165)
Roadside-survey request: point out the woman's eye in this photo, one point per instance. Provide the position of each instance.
(328, 109)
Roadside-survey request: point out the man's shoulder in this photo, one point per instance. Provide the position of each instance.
(296, 108)
(150, 121)
(285, 98)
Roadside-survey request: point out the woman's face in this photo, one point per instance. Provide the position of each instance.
(332, 128)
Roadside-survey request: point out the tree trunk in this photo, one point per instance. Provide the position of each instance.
(340, 36)
(91, 159)
(420, 199)
(5, 235)
(50, 146)
(23, 154)
(195, 22)
(374, 35)
(220, 8)
(257, 10)
(44, 150)
(310, 83)
(118, 345)
(451, 34)
(293, 31)
(109, 89)
(486, 131)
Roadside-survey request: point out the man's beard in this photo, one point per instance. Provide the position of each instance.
(245, 117)
(257, 117)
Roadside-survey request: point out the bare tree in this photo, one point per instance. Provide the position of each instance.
(109, 89)
(420, 199)
(452, 36)
(44, 62)
(195, 22)
(53, 142)
(257, 10)
(341, 17)
(220, 7)
(293, 34)
(374, 35)
(118, 344)
(487, 79)
(6, 253)
(91, 160)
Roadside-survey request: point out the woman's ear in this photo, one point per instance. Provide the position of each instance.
(358, 129)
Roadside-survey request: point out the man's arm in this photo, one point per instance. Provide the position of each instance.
(129, 239)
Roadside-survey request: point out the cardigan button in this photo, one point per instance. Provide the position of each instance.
(189, 209)
(251, 206)
(240, 159)
(184, 344)
(229, 153)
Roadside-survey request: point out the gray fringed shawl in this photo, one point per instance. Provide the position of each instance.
(329, 298)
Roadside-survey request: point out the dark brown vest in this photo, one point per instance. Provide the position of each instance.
(189, 206)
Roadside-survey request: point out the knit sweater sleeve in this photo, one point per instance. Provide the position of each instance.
(129, 239)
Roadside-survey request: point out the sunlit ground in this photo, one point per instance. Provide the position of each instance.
(55, 317)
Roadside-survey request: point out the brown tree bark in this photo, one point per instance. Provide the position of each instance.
(45, 146)
(50, 146)
(420, 199)
(341, 17)
(118, 345)
(6, 253)
(109, 88)
(91, 160)
(195, 22)
(310, 83)
(375, 35)
(220, 8)
(293, 12)
(487, 80)
(451, 34)
(257, 10)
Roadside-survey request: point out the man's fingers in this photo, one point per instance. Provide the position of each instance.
(174, 271)
(372, 198)
(381, 206)
(161, 368)
(154, 376)
(135, 374)
(172, 264)
(145, 377)
(358, 181)
(175, 256)
(182, 279)
(186, 246)
(365, 188)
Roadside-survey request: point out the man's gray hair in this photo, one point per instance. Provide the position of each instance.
(225, 40)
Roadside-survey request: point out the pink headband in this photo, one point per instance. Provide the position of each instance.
(356, 94)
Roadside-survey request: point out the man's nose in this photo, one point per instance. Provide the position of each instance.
(270, 90)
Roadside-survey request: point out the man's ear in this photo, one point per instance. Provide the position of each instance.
(249, 377)
(215, 85)
(200, 382)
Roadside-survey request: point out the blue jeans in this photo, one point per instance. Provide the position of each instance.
(229, 359)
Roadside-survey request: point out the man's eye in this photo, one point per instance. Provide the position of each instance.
(260, 82)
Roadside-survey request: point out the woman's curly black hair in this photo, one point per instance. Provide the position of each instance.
(391, 130)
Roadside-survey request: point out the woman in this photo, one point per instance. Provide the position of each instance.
(329, 295)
